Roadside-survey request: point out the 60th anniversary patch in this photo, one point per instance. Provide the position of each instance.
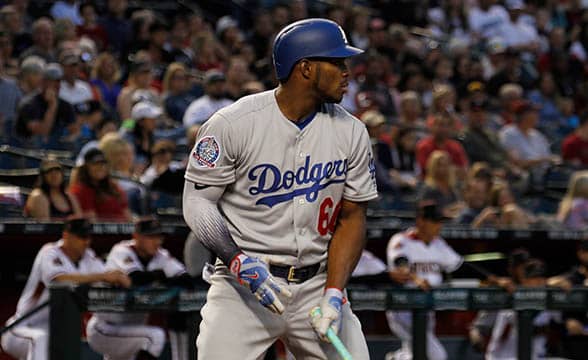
(207, 152)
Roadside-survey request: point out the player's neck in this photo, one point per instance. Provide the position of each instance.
(71, 253)
(293, 106)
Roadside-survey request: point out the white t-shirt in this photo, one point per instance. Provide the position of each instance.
(519, 33)
(488, 23)
(51, 262)
(426, 261)
(79, 92)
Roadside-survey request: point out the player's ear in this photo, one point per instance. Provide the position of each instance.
(305, 68)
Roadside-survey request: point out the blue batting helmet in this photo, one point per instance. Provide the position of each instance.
(307, 39)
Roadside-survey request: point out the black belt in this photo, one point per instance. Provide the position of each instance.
(293, 274)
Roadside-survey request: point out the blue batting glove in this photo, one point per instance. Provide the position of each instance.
(330, 313)
(253, 274)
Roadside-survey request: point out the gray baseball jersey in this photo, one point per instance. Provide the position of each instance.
(284, 181)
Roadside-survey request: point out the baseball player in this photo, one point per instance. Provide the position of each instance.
(120, 336)
(417, 257)
(276, 188)
(67, 260)
(503, 342)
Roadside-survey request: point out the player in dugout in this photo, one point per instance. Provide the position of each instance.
(122, 336)
(69, 260)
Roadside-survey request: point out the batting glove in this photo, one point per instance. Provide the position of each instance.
(253, 274)
(330, 313)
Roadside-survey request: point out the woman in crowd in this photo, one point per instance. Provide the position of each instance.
(98, 194)
(508, 213)
(176, 91)
(440, 184)
(573, 209)
(49, 200)
(140, 78)
(105, 76)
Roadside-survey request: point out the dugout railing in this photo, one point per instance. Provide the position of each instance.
(68, 303)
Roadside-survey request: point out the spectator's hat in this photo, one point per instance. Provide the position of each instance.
(139, 65)
(49, 164)
(213, 75)
(373, 118)
(149, 225)
(224, 23)
(475, 86)
(78, 226)
(430, 210)
(94, 156)
(69, 57)
(520, 107)
(53, 71)
(33, 65)
(145, 110)
(496, 45)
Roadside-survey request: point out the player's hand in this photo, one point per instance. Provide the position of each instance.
(253, 274)
(117, 277)
(421, 283)
(330, 313)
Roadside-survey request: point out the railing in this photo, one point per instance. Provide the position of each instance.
(68, 303)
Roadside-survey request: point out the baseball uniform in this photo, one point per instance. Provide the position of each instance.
(119, 336)
(428, 262)
(29, 340)
(284, 183)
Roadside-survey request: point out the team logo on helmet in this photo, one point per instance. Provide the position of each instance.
(207, 152)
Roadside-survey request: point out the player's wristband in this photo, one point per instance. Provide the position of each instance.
(235, 264)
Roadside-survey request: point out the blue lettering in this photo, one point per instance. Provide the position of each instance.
(261, 179)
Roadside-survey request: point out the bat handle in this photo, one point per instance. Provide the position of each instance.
(334, 339)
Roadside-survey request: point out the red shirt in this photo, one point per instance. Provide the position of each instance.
(427, 145)
(108, 207)
(575, 148)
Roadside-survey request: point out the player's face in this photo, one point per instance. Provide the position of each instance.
(428, 229)
(77, 244)
(331, 79)
(148, 244)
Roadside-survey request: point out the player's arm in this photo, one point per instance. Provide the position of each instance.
(114, 277)
(205, 220)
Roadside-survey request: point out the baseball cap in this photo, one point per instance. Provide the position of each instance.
(139, 66)
(53, 71)
(49, 164)
(94, 156)
(149, 225)
(430, 210)
(474, 86)
(145, 110)
(213, 76)
(224, 23)
(33, 64)
(373, 118)
(78, 226)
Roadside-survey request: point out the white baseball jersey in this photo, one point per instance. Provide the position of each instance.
(123, 257)
(51, 262)
(284, 181)
(503, 342)
(426, 261)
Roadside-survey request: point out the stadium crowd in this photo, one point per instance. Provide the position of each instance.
(480, 106)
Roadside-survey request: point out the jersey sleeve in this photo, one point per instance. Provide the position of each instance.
(394, 250)
(52, 265)
(450, 260)
(171, 266)
(96, 265)
(121, 258)
(360, 184)
(211, 161)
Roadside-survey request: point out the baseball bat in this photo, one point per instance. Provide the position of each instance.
(486, 256)
(333, 338)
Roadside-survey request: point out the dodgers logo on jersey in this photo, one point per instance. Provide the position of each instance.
(207, 152)
(270, 180)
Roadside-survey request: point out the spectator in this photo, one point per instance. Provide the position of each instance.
(410, 110)
(517, 32)
(441, 128)
(475, 195)
(10, 97)
(508, 213)
(140, 78)
(43, 41)
(208, 53)
(65, 33)
(105, 76)
(100, 198)
(49, 200)
(237, 75)
(399, 158)
(90, 26)
(574, 149)
(164, 174)
(546, 98)
(142, 136)
(487, 19)
(105, 126)
(440, 185)
(573, 208)
(358, 35)
(509, 95)
(213, 99)
(527, 147)
(263, 29)
(156, 48)
(18, 33)
(117, 27)
(120, 157)
(30, 77)
(72, 89)
(179, 40)
(176, 93)
(10, 62)
(45, 119)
